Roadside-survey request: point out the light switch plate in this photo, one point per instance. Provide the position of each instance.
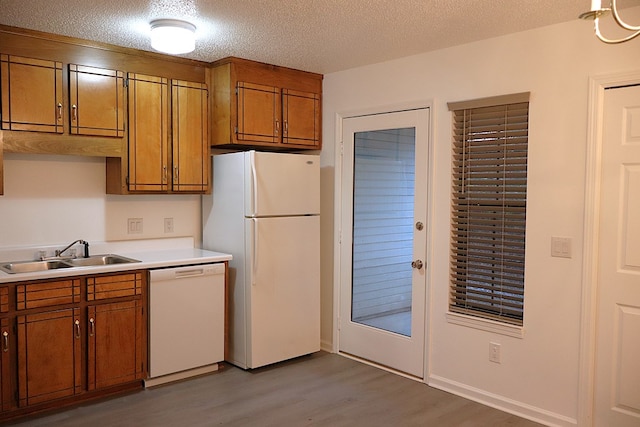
(561, 247)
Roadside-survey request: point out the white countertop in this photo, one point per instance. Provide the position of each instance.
(148, 259)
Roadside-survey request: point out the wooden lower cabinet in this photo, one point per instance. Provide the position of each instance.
(115, 343)
(6, 379)
(75, 339)
(49, 356)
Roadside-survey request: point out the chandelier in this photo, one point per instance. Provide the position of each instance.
(597, 11)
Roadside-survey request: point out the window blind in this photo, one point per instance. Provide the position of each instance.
(488, 217)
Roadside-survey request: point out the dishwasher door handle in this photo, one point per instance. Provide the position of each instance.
(189, 273)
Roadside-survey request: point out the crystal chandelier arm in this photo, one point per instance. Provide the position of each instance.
(616, 16)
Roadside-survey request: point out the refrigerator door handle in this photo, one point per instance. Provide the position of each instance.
(254, 250)
(254, 188)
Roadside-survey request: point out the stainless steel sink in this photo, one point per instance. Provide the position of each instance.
(92, 261)
(97, 260)
(32, 266)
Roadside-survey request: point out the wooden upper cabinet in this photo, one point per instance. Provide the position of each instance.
(259, 113)
(190, 139)
(301, 118)
(148, 98)
(31, 94)
(261, 105)
(96, 101)
(165, 159)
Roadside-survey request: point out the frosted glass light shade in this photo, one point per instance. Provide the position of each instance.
(173, 36)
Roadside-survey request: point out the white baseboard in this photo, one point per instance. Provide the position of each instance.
(326, 346)
(502, 403)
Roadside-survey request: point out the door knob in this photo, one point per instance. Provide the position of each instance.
(417, 264)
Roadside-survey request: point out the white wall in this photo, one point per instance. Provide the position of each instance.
(538, 376)
(50, 200)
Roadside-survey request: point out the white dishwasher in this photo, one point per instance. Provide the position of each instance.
(186, 321)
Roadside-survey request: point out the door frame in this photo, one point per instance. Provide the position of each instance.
(586, 379)
(337, 225)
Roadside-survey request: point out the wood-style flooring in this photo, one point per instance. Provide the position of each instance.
(317, 390)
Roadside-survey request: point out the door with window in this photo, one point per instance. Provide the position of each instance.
(617, 373)
(383, 243)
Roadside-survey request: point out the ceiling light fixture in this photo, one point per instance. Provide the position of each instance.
(173, 36)
(597, 11)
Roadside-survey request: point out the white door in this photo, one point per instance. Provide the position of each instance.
(283, 288)
(617, 373)
(383, 247)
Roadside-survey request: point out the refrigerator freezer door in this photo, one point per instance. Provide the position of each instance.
(281, 184)
(283, 280)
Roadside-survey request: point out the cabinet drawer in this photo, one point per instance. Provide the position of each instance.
(47, 294)
(4, 299)
(105, 287)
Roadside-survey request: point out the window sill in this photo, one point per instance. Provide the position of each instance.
(486, 325)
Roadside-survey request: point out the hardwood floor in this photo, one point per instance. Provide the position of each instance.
(318, 390)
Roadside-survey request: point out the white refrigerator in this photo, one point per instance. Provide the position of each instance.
(265, 210)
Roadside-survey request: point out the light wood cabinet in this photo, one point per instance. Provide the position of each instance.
(76, 339)
(163, 159)
(261, 105)
(32, 96)
(148, 133)
(96, 101)
(190, 139)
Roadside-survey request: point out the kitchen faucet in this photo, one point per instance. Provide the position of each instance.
(82, 242)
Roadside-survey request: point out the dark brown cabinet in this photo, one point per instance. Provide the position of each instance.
(49, 356)
(115, 330)
(7, 342)
(75, 338)
(261, 105)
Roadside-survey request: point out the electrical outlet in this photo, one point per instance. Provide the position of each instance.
(494, 352)
(168, 225)
(134, 226)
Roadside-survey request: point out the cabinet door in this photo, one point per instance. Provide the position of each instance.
(6, 379)
(190, 159)
(96, 98)
(301, 118)
(31, 94)
(116, 344)
(259, 112)
(148, 133)
(49, 356)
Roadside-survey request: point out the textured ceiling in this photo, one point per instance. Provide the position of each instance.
(315, 35)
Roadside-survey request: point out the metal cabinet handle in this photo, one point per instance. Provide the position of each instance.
(175, 173)
(277, 127)
(74, 112)
(59, 111)
(164, 173)
(417, 264)
(5, 341)
(285, 131)
(92, 327)
(77, 323)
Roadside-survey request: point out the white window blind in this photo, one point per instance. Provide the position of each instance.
(489, 198)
